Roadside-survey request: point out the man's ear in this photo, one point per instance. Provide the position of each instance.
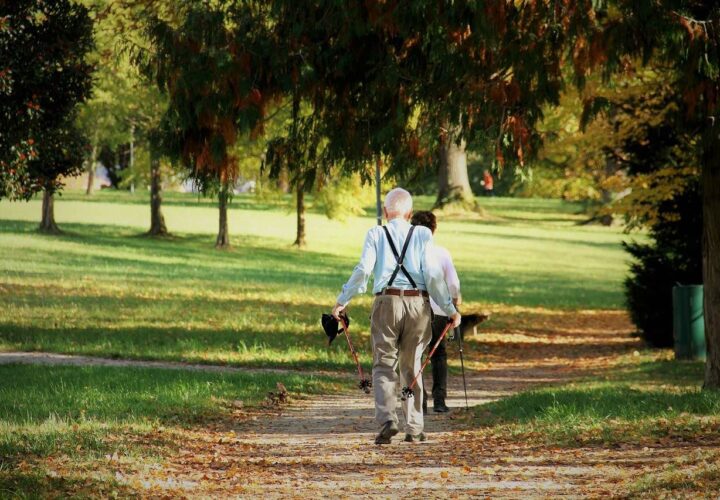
(409, 215)
(385, 212)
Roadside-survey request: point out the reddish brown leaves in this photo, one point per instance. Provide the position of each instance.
(496, 12)
(581, 56)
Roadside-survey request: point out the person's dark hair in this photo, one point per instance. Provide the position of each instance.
(424, 218)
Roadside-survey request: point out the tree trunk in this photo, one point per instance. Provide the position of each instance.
(453, 183)
(157, 221)
(711, 252)
(91, 166)
(300, 181)
(47, 223)
(223, 237)
(91, 177)
(283, 181)
(300, 239)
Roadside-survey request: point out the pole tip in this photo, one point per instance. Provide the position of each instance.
(406, 393)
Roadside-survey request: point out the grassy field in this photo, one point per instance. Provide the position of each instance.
(101, 289)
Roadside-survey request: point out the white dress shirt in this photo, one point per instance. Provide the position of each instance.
(378, 260)
(445, 262)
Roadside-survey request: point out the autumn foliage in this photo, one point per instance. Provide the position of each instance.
(43, 77)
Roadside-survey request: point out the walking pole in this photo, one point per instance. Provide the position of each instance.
(407, 391)
(462, 364)
(365, 384)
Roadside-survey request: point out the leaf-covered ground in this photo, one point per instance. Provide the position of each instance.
(322, 445)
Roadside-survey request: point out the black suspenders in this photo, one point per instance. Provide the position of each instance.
(399, 258)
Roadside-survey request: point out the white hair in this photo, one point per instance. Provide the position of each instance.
(398, 202)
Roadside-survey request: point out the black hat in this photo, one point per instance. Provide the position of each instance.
(332, 326)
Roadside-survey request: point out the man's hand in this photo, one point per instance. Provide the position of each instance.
(455, 319)
(337, 310)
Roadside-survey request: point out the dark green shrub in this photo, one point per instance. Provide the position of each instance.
(673, 257)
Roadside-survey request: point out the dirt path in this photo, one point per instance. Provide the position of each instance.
(50, 358)
(323, 446)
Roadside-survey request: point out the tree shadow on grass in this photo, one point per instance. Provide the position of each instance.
(185, 258)
(611, 245)
(260, 261)
(524, 352)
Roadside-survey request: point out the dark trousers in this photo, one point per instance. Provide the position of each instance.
(438, 360)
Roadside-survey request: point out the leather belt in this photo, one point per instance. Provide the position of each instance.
(403, 293)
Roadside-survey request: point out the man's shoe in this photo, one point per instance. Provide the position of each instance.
(409, 438)
(386, 433)
(440, 407)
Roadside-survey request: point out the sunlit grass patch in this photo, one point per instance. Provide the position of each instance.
(633, 402)
(46, 410)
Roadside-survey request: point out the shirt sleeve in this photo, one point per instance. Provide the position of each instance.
(435, 280)
(451, 277)
(361, 274)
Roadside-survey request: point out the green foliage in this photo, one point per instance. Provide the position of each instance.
(476, 68)
(654, 162)
(541, 181)
(221, 64)
(345, 197)
(673, 257)
(44, 77)
(298, 150)
(216, 70)
(125, 107)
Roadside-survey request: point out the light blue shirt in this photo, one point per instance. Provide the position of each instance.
(377, 258)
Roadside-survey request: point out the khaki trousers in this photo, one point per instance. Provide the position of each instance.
(401, 329)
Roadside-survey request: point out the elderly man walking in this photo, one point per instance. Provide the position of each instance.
(405, 276)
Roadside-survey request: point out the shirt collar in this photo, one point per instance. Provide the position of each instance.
(399, 221)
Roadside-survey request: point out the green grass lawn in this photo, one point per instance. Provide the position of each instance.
(641, 399)
(102, 289)
(82, 415)
(44, 409)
